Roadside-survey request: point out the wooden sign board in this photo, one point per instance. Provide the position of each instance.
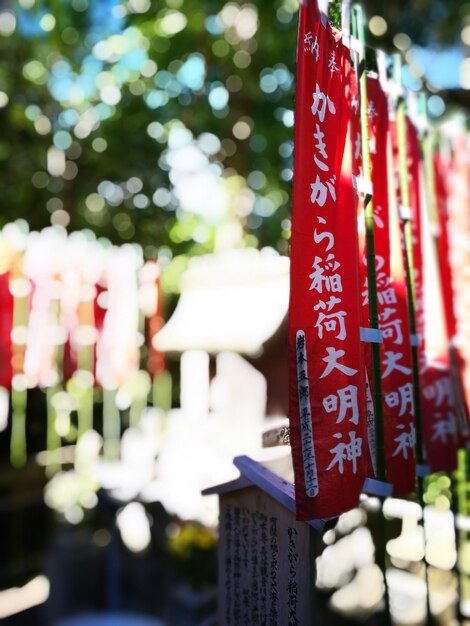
(266, 566)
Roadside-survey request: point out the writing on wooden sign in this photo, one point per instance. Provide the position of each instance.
(264, 569)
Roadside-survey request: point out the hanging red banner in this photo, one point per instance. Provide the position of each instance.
(156, 358)
(6, 325)
(437, 399)
(327, 372)
(440, 175)
(442, 170)
(439, 417)
(413, 212)
(458, 232)
(396, 361)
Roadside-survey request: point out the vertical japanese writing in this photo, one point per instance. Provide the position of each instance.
(292, 585)
(273, 567)
(444, 426)
(311, 45)
(263, 562)
(228, 529)
(395, 364)
(308, 450)
(324, 187)
(330, 315)
(263, 556)
(236, 564)
(255, 614)
(371, 425)
(332, 63)
(245, 559)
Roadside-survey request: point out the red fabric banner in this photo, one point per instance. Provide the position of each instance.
(439, 418)
(416, 193)
(456, 217)
(396, 361)
(441, 175)
(327, 372)
(442, 170)
(156, 358)
(437, 398)
(6, 324)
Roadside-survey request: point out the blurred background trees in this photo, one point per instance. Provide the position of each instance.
(149, 123)
(170, 123)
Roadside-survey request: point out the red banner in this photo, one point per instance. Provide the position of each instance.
(396, 361)
(457, 221)
(437, 399)
(156, 358)
(327, 371)
(6, 324)
(416, 200)
(442, 170)
(439, 418)
(441, 173)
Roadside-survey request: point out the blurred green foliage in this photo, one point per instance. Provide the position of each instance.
(334, 13)
(98, 98)
(104, 85)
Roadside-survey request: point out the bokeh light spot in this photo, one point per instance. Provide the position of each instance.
(40, 180)
(242, 59)
(378, 26)
(99, 144)
(256, 180)
(62, 139)
(47, 22)
(234, 83)
(220, 48)
(465, 74)
(241, 130)
(95, 203)
(7, 23)
(60, 218)
(218, 97)
(436, 106)
(402, 41)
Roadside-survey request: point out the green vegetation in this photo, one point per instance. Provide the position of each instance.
(107, 110)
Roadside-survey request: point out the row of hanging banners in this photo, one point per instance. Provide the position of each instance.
(380, 229)
(77, 315)
(379, 343)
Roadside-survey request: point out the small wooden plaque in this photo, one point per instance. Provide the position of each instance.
(266, 567)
